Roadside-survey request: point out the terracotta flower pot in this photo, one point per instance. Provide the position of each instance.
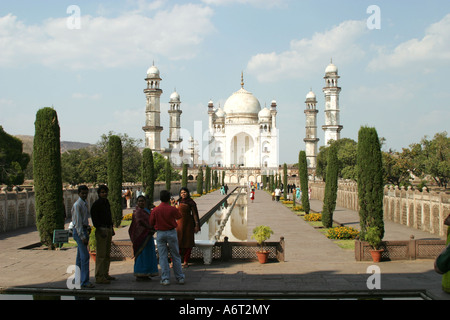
(376, 255)
(93, 255)
(263, 256)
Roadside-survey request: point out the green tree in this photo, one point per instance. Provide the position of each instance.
(207, 179)
(285, 190)
(184, 176)
(131, 155)
(148, 175)
(346, 153)
(94, 169)
(13, 161)
(47, 175)
(331, 186)
(72, 170)
(396, 168)
(432, 157)
(303, 175)
(115, 178)
(370, 181)
(200, 181)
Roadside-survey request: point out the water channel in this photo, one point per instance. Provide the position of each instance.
(229, 220)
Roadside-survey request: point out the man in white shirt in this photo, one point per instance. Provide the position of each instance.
(277, 194)
(80, 219)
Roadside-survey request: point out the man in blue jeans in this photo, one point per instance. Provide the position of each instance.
(164, 219)
(80, 220)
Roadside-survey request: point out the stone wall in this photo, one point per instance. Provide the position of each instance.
(17, 208)
(420, 210)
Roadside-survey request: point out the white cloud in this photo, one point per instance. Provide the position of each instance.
(424, 55)
(106, 42)
(78, 95)
(305, 55)
(256, 3)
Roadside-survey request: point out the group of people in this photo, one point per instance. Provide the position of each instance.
(224, 189)
(174, 221)
(102, 220)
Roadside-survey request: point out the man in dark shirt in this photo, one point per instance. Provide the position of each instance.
(102, 221)
(164, 219)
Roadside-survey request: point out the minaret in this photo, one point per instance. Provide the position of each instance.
(332, 127)
(211, 117)
(311, 130)
(174, 128)
(153, 93)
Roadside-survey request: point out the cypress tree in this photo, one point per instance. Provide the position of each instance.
(168, 174)
(208, 179)
(200, 181)
(148, 175)
(303, 175)
(184, 176)
(115, 177)
(47, 175)
(370, 181)
(331, 186)
(285, 190)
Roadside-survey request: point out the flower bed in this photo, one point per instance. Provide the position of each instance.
(342, 233)
(313, 217)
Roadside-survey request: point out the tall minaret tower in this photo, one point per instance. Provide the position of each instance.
(332, 127)
(174, 114)
(311, 130)
(153, 93)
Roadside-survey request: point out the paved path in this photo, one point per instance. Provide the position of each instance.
(314, 266)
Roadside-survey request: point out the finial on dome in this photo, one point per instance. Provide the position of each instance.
(242, 79)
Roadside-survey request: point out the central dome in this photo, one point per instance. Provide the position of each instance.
(241, 102)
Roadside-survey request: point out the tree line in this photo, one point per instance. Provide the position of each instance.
(427, 158)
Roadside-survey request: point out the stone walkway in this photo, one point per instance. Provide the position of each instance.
(315, 267)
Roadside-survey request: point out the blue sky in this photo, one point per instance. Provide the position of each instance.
(394, 78)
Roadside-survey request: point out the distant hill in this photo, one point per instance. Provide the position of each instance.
(65, 145)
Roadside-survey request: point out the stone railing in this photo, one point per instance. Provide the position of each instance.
(421, 210)
(17, 208)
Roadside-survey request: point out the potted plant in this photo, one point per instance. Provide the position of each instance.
(92, 246)
(261, 234)
(374, 240)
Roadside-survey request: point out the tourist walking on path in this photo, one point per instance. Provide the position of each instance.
(277, 194)
(164, 219)
(141, 235)
(104, 231)
(188, 225)
(80, 220)
(127, 196)
(252, 195)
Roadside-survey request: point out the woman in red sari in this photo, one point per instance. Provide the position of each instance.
(188, 225)
(141, 234)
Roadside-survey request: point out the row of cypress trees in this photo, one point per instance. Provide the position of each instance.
(370, 183)
(48, 182)
(49, 203)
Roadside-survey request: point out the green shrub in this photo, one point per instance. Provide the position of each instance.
(47, 175)
(115, 177)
